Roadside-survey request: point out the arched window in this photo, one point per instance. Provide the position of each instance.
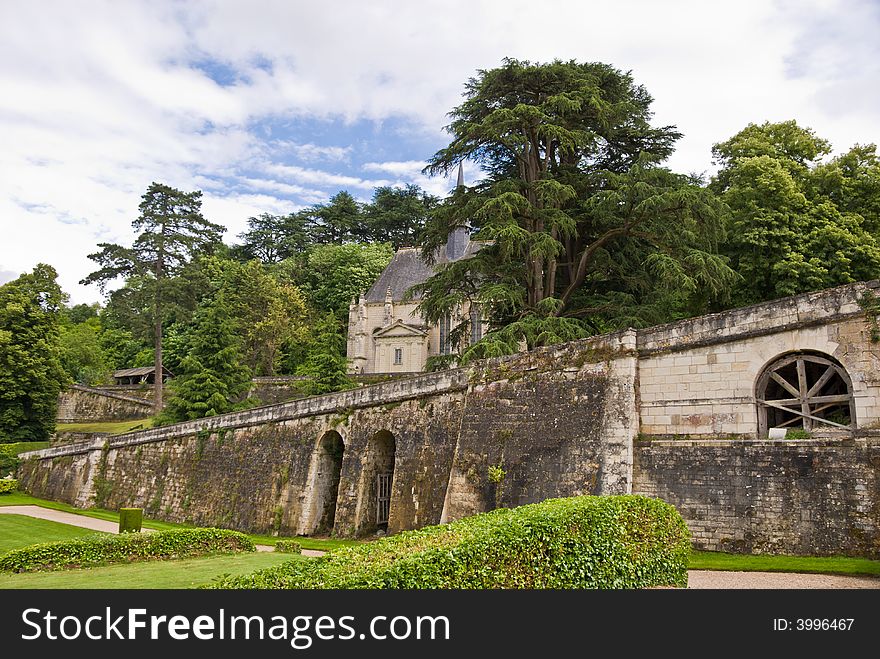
(805, 390)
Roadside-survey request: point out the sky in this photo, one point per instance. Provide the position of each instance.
(268, 106)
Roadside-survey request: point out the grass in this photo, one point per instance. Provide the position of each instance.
(22, 499)
(18, 531)
(710, 560)
(185, 573)
(20, 447)
(113, 427)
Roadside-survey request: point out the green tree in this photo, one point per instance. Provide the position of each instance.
(212, 378)
(326, 365)
(171, 230)
(336, 222)
(572, 183)
(273, 238)
(796, 224)
(82, 355)
(397, 215)
(268, 314)
(334, 274)
(31, 375)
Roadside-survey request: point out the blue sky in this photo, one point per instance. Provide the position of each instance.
(269, 106)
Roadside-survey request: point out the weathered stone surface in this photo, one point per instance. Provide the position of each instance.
(557, 421)
(82, 404)
(808, 497)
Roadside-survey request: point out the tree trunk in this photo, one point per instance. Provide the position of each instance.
(158, 386)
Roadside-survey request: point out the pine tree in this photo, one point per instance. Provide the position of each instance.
(326, 364)
(172, 230)
(212, 378)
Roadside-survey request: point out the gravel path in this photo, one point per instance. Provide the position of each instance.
(62, 517)
(698, 579)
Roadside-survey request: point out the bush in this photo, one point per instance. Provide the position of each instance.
(103, 549)
(8, 485)
(288, 547)
(581, 542)
(130, 520)
(9, 461)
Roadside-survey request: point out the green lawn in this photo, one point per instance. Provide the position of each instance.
(113, 427)
(22, 499)
(186, 573)
(708, 560)
(20, 447)
(20, 531)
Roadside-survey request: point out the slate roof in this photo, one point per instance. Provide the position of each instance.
(141, 370)
(407, 268)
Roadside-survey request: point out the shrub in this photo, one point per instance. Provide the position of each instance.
(582, 542)
(103, 549)
(9, 461)
(288, 547)
(130, 520)
(8, 485)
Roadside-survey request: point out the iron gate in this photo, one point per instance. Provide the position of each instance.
(383, 498)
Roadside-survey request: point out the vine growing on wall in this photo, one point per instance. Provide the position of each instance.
(871, 305)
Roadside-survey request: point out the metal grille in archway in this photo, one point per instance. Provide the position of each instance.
(383, 498)
(806, 391)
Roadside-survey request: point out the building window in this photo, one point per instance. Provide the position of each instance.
(445, 343)
(398, 355)
(476, 326)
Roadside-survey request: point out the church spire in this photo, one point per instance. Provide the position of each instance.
(460, 182)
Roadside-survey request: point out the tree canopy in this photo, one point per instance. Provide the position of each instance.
(171, 231)
(573, 189)
(31, 373)
(797, 224)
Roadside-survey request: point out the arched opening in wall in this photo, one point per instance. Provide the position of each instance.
(377, 481)
(326, 482)
(807, 391)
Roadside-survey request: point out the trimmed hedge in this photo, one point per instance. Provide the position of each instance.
(123, 548)
(288, 547)
(8, 485)
(582, 542)
(130, 520)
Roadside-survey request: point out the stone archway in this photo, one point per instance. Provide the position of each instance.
(325, 483)
(377, 479)
(804, 390)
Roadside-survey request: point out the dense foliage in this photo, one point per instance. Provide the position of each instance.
(797, 223)
(171, 230)
(211, 379)
(288, 547)
(580, 220)
(31, 373)
(8, 485)
(581, 542)
(124, 548)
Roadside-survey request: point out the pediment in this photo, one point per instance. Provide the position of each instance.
(399, 329)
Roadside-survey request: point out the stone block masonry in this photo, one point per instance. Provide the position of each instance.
(670, 411)
(807, 497)
(83, 404)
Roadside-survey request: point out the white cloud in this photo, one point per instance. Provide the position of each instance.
(315, 152)
(8, 275)
(100, 98)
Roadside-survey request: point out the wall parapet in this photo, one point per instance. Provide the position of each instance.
(784, 315)
(112, 394)
(373, 395)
